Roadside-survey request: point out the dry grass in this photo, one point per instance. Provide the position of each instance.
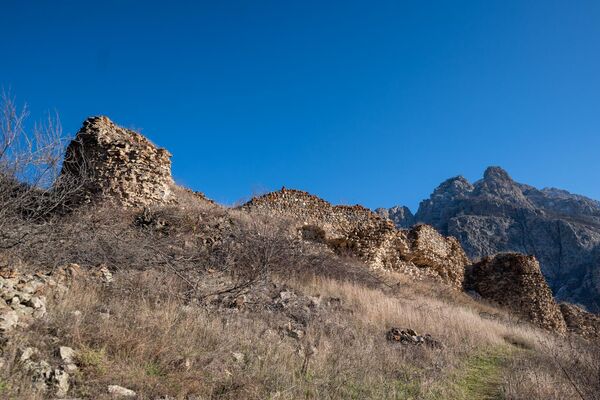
(156, 331)
(156, 344)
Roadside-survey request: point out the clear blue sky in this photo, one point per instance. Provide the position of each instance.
(370, 102)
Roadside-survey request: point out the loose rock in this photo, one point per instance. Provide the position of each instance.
(119, 392)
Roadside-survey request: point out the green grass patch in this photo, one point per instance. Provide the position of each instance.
(153, 369)
(480, 377)
(94, 359)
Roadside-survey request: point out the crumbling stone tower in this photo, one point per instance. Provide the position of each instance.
(117, 164)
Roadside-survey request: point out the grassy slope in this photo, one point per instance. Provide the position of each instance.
(148, 332)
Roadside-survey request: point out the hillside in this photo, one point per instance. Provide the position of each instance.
(497, 214)
(123, 284)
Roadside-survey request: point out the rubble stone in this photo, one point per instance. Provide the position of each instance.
(410, 336)
(119, 392)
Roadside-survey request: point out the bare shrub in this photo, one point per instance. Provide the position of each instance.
(30, 161)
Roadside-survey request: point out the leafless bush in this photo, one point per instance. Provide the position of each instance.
(559, 368)
(30, 161)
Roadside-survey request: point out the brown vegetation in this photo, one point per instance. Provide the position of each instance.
(206, 302)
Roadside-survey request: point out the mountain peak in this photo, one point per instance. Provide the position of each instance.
(495, 173)
(454, 186)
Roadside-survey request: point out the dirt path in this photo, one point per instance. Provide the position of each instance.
(480, 378)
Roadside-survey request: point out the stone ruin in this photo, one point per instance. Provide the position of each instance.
(118, 164)
(580, 321)
(355, 230)
(515, 281)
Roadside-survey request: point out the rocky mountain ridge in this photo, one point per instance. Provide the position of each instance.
(497, 214)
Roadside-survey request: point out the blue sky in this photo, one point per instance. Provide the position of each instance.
(370, 102)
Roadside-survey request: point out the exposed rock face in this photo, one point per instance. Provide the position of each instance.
(118, 164)
(402, 216)
(497, 214)
(580, 321)
(421, 252)
(515, 281)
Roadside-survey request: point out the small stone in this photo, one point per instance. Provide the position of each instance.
(239, 301)
(8, 320)
(118, 392)
(67, 354)
(239, 357)
(31, 287)
(37, 302)
(23, 310)
(41, 373)
(315, 301)
(104, 273)
(286, 295)
(60, 381)
(296, 333)
(27, 354)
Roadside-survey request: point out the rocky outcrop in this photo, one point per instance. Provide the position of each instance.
(515, 282)
(354, 230)
(580, 321)
(497, 214)
(402, 216)
(118, 164)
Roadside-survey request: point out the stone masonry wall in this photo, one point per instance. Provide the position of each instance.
(420, 253)
(118, 164)
(515, 281)
(580, 321)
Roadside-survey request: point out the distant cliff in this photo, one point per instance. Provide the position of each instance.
(497, 214)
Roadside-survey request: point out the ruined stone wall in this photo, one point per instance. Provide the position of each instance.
(580, 321)
(118, 164)
(428, 248)
(515, 281)
(420, 253)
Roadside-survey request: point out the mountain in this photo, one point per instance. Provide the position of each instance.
(497, 214)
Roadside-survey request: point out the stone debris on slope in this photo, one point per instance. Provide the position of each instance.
(409, 336)
(420, 252)
(23, 299)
